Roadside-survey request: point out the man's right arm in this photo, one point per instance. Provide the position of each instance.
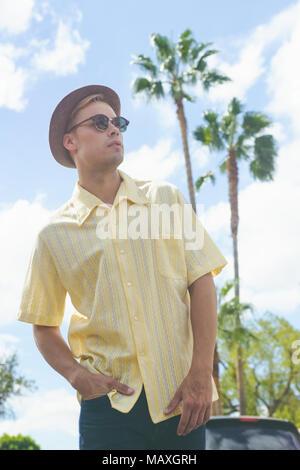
(56, 352)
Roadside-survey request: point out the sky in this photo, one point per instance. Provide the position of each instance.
(51, 48)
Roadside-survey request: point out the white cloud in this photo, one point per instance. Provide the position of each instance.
(166, 112)
(13, 79)
(243, 74)
(268, 236)
(6, 342)
(153, 163)
(251, 63)
(64, 58)
(20, 223)
(200, 154)
(15, 15)
(283, 77)
(39, 413)
(66, 55)
(165, 108)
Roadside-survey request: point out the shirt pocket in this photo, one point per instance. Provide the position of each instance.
(170, 257)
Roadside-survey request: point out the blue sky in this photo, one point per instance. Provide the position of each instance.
(54, 47)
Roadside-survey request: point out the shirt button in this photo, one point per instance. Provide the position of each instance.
(122, 251)
(129, 283)
(136, 318)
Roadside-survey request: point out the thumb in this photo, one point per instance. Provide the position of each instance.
(122, 388)
(173, 403)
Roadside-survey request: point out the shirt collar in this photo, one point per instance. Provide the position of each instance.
(85, 201)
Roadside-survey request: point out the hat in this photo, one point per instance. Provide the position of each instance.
(61, 115)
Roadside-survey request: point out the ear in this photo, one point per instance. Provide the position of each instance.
(69, 142)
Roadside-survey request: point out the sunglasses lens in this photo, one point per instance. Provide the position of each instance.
(101, 122)
(120, 123)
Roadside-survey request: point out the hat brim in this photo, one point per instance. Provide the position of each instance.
(61, 114)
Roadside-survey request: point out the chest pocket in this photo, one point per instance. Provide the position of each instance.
(170, 258)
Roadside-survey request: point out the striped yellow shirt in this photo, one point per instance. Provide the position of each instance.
(131, 317)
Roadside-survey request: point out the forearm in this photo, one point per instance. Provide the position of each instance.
(56, 352)
(204, 323)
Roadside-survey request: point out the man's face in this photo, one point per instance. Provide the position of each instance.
(90, 148)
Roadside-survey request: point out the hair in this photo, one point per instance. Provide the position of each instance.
(82, 104)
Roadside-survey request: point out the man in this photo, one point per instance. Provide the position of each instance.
(144, 326)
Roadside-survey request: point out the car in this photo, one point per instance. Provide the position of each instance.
(251, 433)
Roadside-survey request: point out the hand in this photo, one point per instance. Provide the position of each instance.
(196, 393)
(90, 385)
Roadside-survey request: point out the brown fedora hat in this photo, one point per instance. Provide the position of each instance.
(62, 112)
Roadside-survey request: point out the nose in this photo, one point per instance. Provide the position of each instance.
(112, 129)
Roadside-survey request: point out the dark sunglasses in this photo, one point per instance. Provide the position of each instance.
(101, 122)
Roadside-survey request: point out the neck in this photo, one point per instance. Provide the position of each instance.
(104, 186)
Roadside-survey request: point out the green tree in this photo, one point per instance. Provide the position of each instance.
(272, 379)
(241, 136)
(233, 335)
(11, 384)
(18, 442)
(178, 66)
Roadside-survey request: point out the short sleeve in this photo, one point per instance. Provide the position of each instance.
(43, 296)
(201, 253)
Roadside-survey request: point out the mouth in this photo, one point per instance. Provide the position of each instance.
(115, 144)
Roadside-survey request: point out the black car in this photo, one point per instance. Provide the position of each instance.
(251, 433)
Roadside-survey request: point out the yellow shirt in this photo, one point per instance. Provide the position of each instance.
(130, 295)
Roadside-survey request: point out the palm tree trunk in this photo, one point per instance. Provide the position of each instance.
(183, 128)
(232, 171)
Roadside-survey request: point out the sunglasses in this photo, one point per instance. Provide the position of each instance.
(101, 122)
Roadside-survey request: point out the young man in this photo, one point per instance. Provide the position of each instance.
(144, 326)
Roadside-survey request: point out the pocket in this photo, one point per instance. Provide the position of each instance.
(170, 257)
(93, 397)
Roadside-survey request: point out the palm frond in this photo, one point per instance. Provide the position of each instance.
(235, 107)
(226, 288)
(169, 64)
(188, 97)
(254, 122)
(144, 63)
(202, 179)
(262, 166)
(189, 77)
(197, 50)
(241, 148)
(150, 88)
(201, 63)
(184, 45)
(211, 117)
(213, 78)
(228, 127)
(141, 84)
(223, 165)
(203, 134)
(210, 135)
(157, 90)
(164, 48)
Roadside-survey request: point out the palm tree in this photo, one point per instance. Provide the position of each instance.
(228, 330)
(178, 65)
(241, 136)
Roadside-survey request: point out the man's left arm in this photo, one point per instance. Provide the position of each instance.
(204, 320)
(195, 391)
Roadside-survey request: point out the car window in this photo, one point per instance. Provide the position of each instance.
(242, 436)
